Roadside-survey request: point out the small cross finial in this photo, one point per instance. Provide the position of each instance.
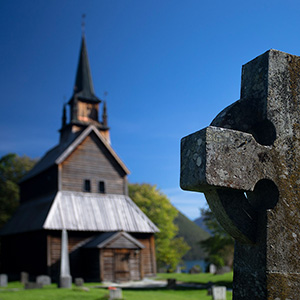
(83, 23)
(105, 94)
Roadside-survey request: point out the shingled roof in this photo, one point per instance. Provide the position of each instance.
(94, 212)
(80, 211)
(114, 240)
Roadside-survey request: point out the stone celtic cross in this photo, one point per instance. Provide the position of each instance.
(247, 163)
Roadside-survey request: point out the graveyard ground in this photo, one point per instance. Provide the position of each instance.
(15, 290)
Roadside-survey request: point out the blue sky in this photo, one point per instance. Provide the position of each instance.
(168, 66)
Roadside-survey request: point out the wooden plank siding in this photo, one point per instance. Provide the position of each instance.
(120, 264)
(148, 253)
(135, 265)
(108, 265)
(153, 256)
(75, 240)
(91, 160)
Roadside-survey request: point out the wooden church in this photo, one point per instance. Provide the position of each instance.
(80, 186)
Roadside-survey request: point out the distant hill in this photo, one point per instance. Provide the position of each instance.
(200, 222)
(192, 234)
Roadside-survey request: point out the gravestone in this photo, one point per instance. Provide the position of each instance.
(219, 292)
(24, 277)
(43, 279)
(223, 270)
(79, 281)
(33, 285)
(171, 283)
(212, 269)
(195, 269)
(115, 293)
(247, 163)
(3, 280)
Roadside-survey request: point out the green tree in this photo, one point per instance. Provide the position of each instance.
(156, 205)
(220, 245)
(12, 169)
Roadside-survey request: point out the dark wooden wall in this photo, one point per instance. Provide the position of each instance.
(41, 185)
(38, 253)
(91, 160)
(75, 240)
(24, 253)
(90, 259)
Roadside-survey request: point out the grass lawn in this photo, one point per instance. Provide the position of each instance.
(52, 292)
(202, 278)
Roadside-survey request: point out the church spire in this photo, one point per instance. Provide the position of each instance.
(84, 104)
(84, 87)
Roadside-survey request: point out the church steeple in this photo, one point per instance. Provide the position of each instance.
(84, 87)
(84, 104)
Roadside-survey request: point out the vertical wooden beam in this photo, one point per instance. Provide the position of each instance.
(114, 264)
(125, 182)
(141, 264)
(153, 257)
(101, 265)
(49, 255)
(59, 177)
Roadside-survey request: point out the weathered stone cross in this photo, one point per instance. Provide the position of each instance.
(248, 165)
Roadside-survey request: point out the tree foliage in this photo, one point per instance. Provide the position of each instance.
(156, 205)
(12, 169)
(220, 245)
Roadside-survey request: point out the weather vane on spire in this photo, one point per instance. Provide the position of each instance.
(83, 23)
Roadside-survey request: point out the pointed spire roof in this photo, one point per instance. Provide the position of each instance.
(84, 88)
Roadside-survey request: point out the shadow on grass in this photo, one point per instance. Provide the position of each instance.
(182, 286)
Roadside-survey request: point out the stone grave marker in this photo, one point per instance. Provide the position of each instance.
(247, 163)
(33, 285)
(3, 280)
(171, 283)
(212, 269)
(24, 277)
(79, 281)
(219, 292)
(115, 293)
(43, 279)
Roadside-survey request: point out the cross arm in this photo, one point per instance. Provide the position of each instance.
(224, 158)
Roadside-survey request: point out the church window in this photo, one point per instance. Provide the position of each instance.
(101, 187)
(87, 185)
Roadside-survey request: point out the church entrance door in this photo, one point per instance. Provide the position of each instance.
(122, 272)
